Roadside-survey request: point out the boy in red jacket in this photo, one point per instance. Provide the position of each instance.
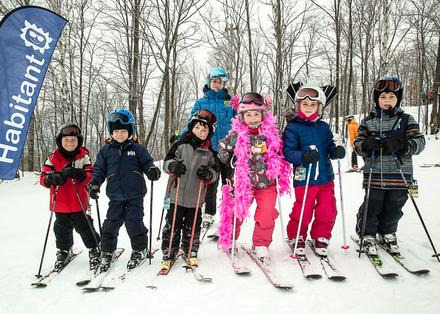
(68, 164)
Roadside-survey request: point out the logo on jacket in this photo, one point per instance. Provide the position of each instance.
(227, 103)
(131, 153)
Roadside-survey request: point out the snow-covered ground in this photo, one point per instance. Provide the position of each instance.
(25, 216)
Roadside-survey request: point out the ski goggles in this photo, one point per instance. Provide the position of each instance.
(393, 85)
(206, 115)
(311, 93)
(252, 97)
(119, 116)
(223, 77)
(70, 130)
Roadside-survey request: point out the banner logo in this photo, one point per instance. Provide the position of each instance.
(35, 37)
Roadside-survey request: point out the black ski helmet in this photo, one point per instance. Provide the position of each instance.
(389, 84)
(69, 129)
(204, 116)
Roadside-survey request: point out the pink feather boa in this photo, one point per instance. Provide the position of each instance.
(276, 167)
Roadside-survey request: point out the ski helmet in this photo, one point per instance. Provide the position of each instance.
(217, 73)
(389, 84)
(69, 129)
(314, 93)
(121, 119)
(204, 116)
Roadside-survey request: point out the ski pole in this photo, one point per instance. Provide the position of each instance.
(345, 246)
(99, 217)
(302, 210)
(174, 217)
(85, 214)
(195, 219)
(160, 226)
(417, 209)
(151, 222)
(367, 200)
(47, 233)
(283, 235)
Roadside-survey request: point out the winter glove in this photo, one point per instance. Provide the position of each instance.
(394, 145)
(94, 189)
(74, 173)
(173, 138)
(371, 144)
(339, 152)
(54, 180)
(177, 168)
(154, 173)
(310, 157)
(203, 173)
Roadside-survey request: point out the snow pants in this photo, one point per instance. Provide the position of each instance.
(265, 216)
(63, 229)
(211, 190)
(321, 202)
(132, 213)
(182, 230)
(384, 211)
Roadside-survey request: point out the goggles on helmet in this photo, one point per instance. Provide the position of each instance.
(70, 130)
(391, 84)
(252, 97)
(310, 93)
(206, 115)
(119, 116)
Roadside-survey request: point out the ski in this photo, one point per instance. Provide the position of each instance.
(204, 230)
(44, 281)
(327, 265)
(96, 282)
(238, 265)
(194, 270)
(405, 263)
(429, 165)
(383, 270)
(162, 272)
(129, 271)
(307, 268)
(213, 236)
(270, 272)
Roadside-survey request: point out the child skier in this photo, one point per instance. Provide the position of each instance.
(190, 162)
(122, 161)
(386, 131)
(254, 147)
(70, 164)
(306, 130)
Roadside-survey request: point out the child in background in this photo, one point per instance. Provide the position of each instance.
(122, 161)
(352, 132)
(254, 147)
(70, 161)
(386, 131)
(305, 129)
(190, 160)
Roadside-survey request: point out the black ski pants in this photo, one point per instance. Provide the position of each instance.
(384, 211)
(182, 230)
(63, 229)
(211, 191)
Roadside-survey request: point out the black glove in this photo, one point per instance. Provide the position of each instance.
(94, 189)
(203, 173)
(177, 168)
(339, 152)
(310, 157)
(74, 173)
(154, 173)
(54, 180)
(394, 145)
(173, 138)
(371, 144)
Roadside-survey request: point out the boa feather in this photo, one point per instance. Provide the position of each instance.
(277, 167)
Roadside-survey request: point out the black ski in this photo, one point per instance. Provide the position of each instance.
(383, 269)
(45, 280)
(429, 165)
(329, 267)
(204, 230)
(213, 236)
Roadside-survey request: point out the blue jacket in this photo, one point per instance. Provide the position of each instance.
(220, 104)
(123, 165)
(299, 134)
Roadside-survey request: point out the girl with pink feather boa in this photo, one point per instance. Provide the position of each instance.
(254, 147)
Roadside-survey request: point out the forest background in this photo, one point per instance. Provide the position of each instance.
(152, 57)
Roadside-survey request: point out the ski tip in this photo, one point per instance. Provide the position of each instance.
(39, 284)
(152, 287)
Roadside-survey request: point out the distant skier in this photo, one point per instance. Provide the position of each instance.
(352, 126)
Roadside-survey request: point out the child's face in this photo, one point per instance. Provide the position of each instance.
(216, 84)
(69, 143)
(120, 136)
(387, 100)
(252, 117)
(200, 131)
(308, 107)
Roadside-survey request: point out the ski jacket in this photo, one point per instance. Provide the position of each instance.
(220, 104)
(66, 198)
(299, 134)
(193, 157)
(123, 165)
(352, 131)
(384, 123)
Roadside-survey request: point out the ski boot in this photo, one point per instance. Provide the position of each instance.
(207, 221)
(369, 245)
(300, 247)
(106, 260)
(166, 264)
(263, 254)
(136, 258)
(390, 241)
(63, 257)
(94, 258)
(321, 245)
